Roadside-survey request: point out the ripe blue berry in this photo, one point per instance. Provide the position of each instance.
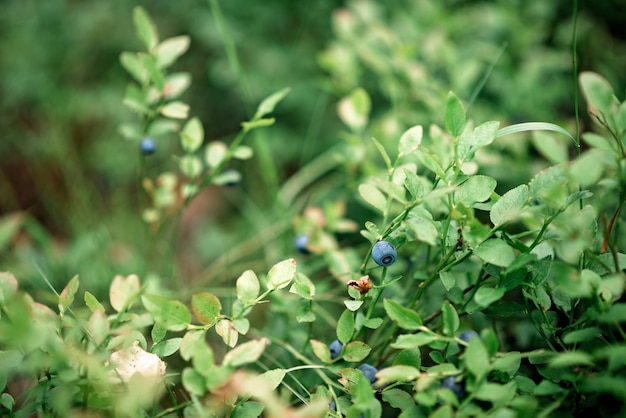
(332, 406)
(147, 146)
(384, 254)
(468, 335)
(456, 388)
(335, 349)
(369, 372)
(301, 243)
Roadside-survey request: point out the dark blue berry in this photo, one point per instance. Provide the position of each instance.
(301, 243)
(468, 335)
(369, 372)
(335, 349)
(456, 388)
(147, 146)
(384, 254)
(332, 406)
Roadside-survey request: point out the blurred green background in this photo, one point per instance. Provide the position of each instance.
(68, 179)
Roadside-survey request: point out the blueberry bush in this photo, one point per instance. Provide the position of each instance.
(408, 269)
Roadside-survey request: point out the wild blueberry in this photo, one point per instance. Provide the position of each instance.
(369, 371)
(384, 254)
(332, 406)
(147, 146)
(456, 388)
(335, 349)
(301, 243)
(468, 335)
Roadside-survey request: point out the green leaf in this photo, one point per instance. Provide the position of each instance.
(227, 177)
(8, 288)
(450, 319)
(597, 91)
(156, 75)
(206, 307)
(248, 287)
(66, 298)
(175, 85)
(480, 136)
(321, 350)
(510, 205)
(373, 196)
(269, 104)
(248, 409)
(166, 347)
(454, 119)
(243, 152)
(477, 358)
(273, 378)
(448, 278)
(533, 126)
(495, 251)
(281, 274)
(190, 166)
(475, 189)
(399, 399)
(216, 153)
(203, 358)
(485, 296)
(257, 123)
(409, 357)
(158, 332)
(508, 363)
(90, 301)
(175, 110)
(495, 393)
(146, 30)
(98, 326)
(414, 185)
(570, 359)
(242, 325)
(373, 323)
(190, 342)
(354, 110)
(581, 335)
(135, 68)
(192, 135)
(172, 314)
(345, 326)
(550, 147)
(193, 382)
(616, 313)
(547, 388)
(356, 351)
(398, 373)
(303, 287)
(383, 153)
(588, 168)
(168, 51)
(7, 401)
(414, 340)
(246, 353)
(305, 314)
(353, 305)
(406, 318)
(410, 140)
